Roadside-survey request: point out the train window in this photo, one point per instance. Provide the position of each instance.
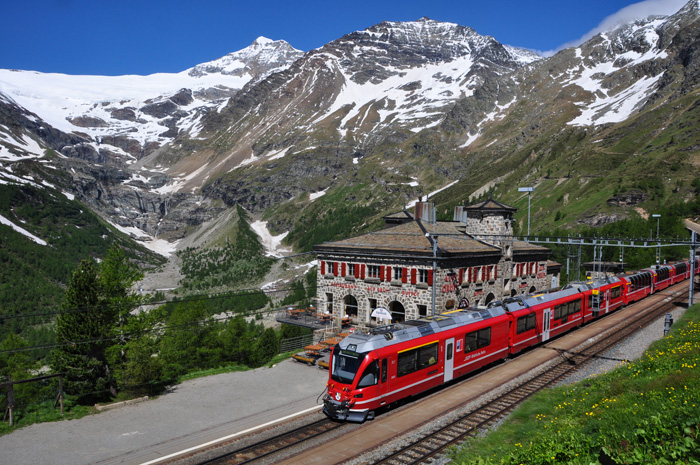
(369, 376)
(526, 323)
(615, 292)
(384, 368)
(416, 359)
(345, 365)
(449, 351)
(477, 340)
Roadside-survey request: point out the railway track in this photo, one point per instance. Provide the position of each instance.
(273, 445)
(431, 445)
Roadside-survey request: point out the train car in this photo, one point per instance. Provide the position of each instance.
(368, 371)
(603, 297)
(663, 277)
(375, 369)
(637, 286)
(540, 317)
(681, 271)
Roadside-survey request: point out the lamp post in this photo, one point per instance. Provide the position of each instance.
(529, 191)
(658, 251)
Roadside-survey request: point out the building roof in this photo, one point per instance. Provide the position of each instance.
(409, 239)
(491, 206)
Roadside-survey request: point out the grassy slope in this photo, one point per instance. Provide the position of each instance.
(647, 411)
(34, 276)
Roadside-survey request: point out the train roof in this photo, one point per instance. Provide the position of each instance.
(384, 336)
(396, 333)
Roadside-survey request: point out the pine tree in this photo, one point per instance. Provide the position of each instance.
(84, 327)
(94, 317)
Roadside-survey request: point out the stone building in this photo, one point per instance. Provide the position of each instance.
(418, 266)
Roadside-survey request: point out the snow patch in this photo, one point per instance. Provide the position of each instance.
(22, 231)
(413, 202)
(271, 243)
(314, 195)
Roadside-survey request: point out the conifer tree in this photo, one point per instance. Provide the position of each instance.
(92, 322)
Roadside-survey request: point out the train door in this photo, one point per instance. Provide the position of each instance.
(546, 318)
(449, 359)
(383, 379)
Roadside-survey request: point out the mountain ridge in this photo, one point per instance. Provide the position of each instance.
(378, 117)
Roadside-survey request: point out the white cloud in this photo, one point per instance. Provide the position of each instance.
(626, 15)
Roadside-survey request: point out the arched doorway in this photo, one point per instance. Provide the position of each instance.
(350, 307)
(398, 313)
(513, 292)
(533, 290)
(489, 298)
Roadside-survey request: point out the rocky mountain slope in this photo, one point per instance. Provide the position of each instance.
(321, 144)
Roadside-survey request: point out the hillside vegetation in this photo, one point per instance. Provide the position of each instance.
(646, 411)
(34, 277)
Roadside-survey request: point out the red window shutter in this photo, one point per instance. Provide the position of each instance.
(414, 274)
(469, 278)
(430, 277)
(404, 275)
(335, 268)
(323, 267)
(461, 275)
(362, 271)
(381, 273)
(343, 270)
(495, 272)
(388, 274)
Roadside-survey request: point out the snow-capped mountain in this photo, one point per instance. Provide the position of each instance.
(131, 116)
(378, 116)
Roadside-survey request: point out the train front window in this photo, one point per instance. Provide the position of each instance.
(345, 365)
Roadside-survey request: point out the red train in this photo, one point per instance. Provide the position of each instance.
(370, 371)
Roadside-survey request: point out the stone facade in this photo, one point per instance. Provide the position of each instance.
(412, 264)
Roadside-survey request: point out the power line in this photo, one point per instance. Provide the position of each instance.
(129, 335)
(243, 292)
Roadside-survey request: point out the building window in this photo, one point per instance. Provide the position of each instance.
(422, 310)
(351, 269)
(373, 271)
(329, 302)
(398, 273)
(423, 276)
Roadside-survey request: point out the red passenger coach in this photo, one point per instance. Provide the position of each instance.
(368, 371)
(375, 369)
(663, 277)
(637, 286)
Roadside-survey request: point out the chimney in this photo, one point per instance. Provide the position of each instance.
(460, 214)
(425, 211)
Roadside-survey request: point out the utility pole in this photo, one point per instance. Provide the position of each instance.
(658, 251)
(692, 268)
(435, 246)
(529, 193)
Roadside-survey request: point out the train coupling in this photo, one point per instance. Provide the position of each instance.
(341, 411)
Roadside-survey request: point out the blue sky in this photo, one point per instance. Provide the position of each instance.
(110, 37)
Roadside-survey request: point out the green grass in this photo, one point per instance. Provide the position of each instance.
(212, 371)
(647, 411)
(45, 412)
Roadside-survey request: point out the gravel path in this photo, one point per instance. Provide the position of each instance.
(195, 411)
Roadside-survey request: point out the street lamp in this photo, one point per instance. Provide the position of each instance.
(529, 191)
(658, 253)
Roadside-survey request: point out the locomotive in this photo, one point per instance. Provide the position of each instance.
(373, 370)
